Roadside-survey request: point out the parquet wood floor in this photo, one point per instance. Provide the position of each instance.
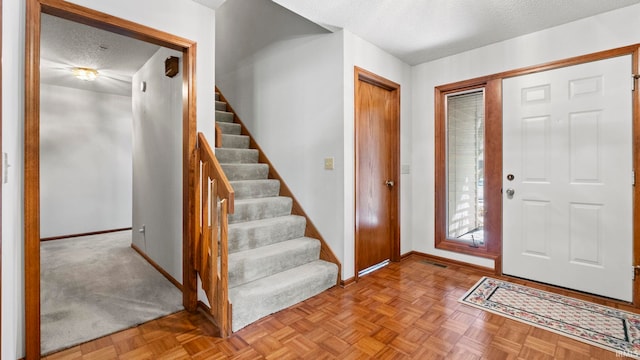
(408, 310)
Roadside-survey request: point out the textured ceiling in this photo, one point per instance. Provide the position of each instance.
(65, 44)
(421, 30)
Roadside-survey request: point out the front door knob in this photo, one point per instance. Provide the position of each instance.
(510, 192)
(389, 183)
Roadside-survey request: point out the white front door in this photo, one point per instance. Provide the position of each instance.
(567, 212)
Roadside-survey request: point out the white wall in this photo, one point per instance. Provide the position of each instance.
(85, 161)
(157, 163)
(602, 32)
(358, 52)
(283, 75)
(184, 18)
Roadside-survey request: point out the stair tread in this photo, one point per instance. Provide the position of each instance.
(253, 181)
(238, 156)
(259, 298)
(221, 105)
(247, 164)
(247, 150)
(233, 141)
(238, 136)
(264, 199)
(270, 250)
(224, 116)
(280, 280)
(245, 171)
(258, 188)
(252, 264)
(265, 222)
(229, 128)
(260, 208)
(256, 233)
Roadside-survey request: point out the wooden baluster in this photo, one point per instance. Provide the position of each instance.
(206, 230)
(213, 275)
(225, 324)
(197, 226)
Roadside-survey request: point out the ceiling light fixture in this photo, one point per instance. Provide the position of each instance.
(86, 74)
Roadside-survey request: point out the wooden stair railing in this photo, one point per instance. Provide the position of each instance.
(214, 199)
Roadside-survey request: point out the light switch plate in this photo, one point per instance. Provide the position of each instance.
(328, 163)
(405, 169)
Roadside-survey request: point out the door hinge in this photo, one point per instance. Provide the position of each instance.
(634, 77)
(633, 177)
(636, 271)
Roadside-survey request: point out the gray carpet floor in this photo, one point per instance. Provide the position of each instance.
(95, 285)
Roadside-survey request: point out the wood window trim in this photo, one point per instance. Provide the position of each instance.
(494, 128)
(492, 247)
(110, 23)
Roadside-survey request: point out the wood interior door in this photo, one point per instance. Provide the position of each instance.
(377, 123)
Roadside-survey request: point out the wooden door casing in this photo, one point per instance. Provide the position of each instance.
(377, 160)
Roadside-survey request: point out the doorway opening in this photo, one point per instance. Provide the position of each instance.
(102, 21)
(98, 160)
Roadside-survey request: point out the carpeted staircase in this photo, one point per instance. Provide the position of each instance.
(272, 265)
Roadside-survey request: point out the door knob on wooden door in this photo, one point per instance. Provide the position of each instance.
(389, 183)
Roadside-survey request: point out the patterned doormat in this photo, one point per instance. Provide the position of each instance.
(598, 325)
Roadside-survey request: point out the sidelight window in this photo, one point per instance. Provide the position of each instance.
(465, 135)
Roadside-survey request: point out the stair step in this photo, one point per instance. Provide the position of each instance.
(242, 156)
(263, 208)
(254, 234)
(249, 265)
(251, 189)
(245, 171)
(217, 96)
(235, 141)
(262, 297)
(229, 128)
(221, 105)
(224, 116)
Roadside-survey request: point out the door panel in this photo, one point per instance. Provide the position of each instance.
(568, 142)
(376, 173)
